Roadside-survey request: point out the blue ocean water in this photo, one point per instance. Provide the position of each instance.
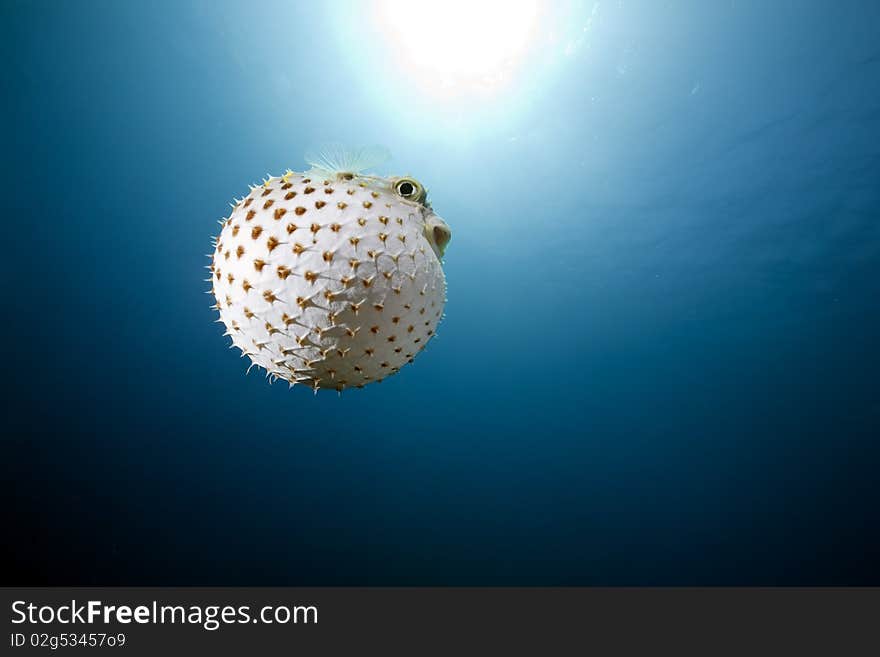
(659, 358)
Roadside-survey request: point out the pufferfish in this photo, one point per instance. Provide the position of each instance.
(331, 278)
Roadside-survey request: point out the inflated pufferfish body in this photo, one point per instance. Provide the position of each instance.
(331, 278)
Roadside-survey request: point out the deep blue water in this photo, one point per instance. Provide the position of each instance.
(660, 353)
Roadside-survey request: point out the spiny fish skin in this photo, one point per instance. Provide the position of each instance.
(332, 282)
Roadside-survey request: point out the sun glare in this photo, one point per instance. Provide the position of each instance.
(459, 47)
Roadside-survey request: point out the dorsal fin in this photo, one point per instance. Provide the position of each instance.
(334, 158)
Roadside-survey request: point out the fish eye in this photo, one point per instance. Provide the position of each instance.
(410, 189)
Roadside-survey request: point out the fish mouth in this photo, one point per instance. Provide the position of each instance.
(437, 233)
